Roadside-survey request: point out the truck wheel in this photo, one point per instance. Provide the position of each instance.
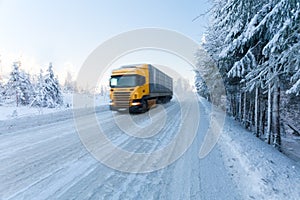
(159, 100)
(144, 106)
(168, 99)
(165, 100)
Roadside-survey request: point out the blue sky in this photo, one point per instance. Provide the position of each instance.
(65, 32)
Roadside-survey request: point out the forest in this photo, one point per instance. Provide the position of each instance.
(255, 45)
(23, 89)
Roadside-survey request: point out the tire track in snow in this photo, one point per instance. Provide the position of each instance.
(68, 171)
(118, 178)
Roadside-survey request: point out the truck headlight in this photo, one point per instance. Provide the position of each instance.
(136, 103)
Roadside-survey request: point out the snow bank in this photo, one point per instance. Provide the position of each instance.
(259, 170)
(8, 112)
(263, 172)
(13, 112)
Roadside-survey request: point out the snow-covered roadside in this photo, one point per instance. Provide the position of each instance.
(12, 112)
(291, 144)
(263, 172)
(9, 112)
(259, 170)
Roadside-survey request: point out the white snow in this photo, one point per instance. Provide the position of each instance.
(295, 88)
(11, 112)
(258, 169)
(48, 161)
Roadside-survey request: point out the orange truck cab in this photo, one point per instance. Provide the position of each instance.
(138, 87)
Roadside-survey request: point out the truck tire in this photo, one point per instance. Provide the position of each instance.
(169, 99)
(144, 105)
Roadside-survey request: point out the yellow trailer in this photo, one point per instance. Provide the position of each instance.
(138, 87)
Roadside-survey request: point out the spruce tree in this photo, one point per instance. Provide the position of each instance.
(51, 89)
(18, 89)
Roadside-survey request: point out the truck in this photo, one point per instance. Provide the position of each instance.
(138, 87)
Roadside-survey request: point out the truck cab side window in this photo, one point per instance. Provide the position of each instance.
(140, 80)
(113, 82)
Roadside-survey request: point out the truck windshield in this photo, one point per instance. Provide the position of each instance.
(125, 81)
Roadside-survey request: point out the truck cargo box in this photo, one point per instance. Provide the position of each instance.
(159, 82)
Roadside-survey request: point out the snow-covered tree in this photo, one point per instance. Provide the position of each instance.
(257, 50)
(181, 85)
(201, 86)
(48, 91)
(69, 85)
(40, 92)
(214, 37)
(102, 90)
(205, 76)
(178, 86)
(52, 91)
(18, 89)
(1, 91)
(290, 55)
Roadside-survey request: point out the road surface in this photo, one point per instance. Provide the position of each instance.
(47, 160)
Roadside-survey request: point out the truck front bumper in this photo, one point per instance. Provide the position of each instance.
(131, 109)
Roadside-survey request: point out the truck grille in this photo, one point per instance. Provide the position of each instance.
(122, 99)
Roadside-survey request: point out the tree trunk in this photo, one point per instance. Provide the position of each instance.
(250, 113)
(245, 109)
(262, 119)
(269, 113)
(253, 113)
(230, 105)
(256, 112)
(233, 103)
(276, 115)
(17, 98)
(240, 106)
(237, 101)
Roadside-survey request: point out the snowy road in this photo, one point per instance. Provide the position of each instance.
(48, 161)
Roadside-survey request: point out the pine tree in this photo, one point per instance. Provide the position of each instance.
(178, 86)
(19, 88)
(69, 85)
(290, 55)
(1, 92)
(40, 92)
(256, 47)
(47, 91)
(51, 90)
(204, 74)
(201, 86)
